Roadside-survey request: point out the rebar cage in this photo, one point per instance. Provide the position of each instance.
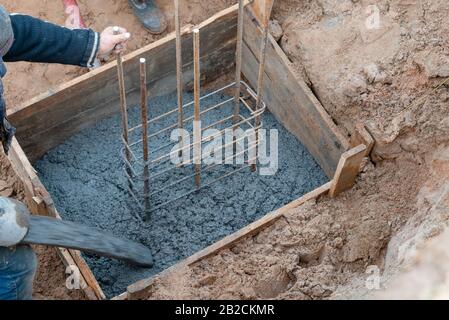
(208, 117)
(217, 125)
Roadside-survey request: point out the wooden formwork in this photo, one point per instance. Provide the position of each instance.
(50, 118)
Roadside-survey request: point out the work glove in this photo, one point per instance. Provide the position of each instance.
(7, 131)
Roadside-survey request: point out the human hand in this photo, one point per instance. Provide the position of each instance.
(112, 40)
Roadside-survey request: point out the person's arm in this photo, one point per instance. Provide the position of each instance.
(39, 41)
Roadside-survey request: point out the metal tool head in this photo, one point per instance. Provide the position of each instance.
(58, 233)
(14, 222)
(18, 226)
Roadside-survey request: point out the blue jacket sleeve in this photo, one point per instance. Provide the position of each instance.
(39, 41)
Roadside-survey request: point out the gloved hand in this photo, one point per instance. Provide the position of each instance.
(111, 42)
(14, 222)
(6, 130)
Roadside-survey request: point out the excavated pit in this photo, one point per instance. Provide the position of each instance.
(85, 178)
(386, 192)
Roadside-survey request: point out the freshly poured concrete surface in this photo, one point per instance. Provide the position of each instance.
(85, 177)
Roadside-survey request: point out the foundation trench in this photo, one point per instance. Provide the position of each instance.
(49, 119)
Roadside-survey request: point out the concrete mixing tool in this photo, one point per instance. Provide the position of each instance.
(18, 226)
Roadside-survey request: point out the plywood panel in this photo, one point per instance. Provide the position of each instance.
(347, 170)
(291, 101)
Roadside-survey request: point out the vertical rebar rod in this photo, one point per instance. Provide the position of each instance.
(238, 72)
(144, 119)
(197, 121)
(260, 79)
(238, 62)
(123, 106)
(179, 78)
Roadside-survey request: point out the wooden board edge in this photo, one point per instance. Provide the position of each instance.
(121, 297)
(87, 274)
(347, 170)
(224, 12)
(289, 65)
(261, 8)
(48, 208)
(135, 290)
(317, 104)
(362, 136)
(332, 140)
(68, 261)
(256, 226)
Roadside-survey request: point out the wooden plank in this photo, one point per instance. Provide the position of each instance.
(18, 160)
(67, 259)
(39, 202)
(347, 170)
(261, 8)
(256, 226)
(138, 289)
(87, 273)
(291, 101)
(121, 297)
(51, 118)
(362, 136)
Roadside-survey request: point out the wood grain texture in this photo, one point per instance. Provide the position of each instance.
(261, 8)
(362, 136)
(347, 170)
(291, 101)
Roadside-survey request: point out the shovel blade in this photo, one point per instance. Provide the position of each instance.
(65, 234)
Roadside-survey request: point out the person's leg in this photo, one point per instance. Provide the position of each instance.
(17, 271)
(150, 15)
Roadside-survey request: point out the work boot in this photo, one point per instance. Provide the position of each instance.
(150, 15)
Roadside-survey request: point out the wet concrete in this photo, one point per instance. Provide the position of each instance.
(85, 177)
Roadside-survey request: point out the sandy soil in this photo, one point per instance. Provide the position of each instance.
(387, 77)
(314, 252)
